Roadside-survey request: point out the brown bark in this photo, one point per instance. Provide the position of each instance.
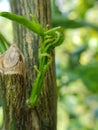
(12, 83)
(43, 115)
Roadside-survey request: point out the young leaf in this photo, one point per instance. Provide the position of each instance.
(31, 25)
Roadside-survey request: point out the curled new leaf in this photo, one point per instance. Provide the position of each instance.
(31, 25)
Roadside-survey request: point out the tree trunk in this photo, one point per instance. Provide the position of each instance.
(12, 83)
(43, 115)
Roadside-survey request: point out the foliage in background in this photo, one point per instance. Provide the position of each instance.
(77, 64)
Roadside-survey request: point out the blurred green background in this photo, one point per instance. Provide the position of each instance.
(76, 62)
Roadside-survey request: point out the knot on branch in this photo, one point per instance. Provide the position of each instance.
(12, 61)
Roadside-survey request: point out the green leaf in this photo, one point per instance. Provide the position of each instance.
(73, 24)
(89, 75)
(31, 25)
(4, 44)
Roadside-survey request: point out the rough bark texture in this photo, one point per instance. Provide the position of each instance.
(43, 115)
(12, 83)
